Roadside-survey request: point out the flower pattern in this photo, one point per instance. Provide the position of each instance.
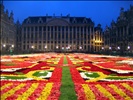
(38, 76)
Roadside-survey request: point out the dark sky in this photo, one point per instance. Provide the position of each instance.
(102, 12)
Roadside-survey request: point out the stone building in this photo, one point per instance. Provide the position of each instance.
(97, 40)
(119, 36)
(59, 33)
(7, 30)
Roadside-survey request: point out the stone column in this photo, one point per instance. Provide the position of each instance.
(91, 39)
(46, 44)
(72, 39)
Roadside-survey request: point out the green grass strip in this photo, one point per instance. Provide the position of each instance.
(117, 78)
(10, 64)
(67, 87)
(38, 74)
(65, 60)
(92, 75)
(13, 77)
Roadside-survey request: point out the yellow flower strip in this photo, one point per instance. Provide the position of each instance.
(88, 92)
(12, 91)
(80, 68)
(46, 92)
(102, 76)
(5, 85)
(120, 92)
(105, 92)
(28, 75)
(127, 86)
(32, 65)
(28, 92)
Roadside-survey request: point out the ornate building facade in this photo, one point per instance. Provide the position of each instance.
(119, 36)
(59, 33)
(7, 30)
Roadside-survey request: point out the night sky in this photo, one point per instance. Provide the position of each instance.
(102, 12)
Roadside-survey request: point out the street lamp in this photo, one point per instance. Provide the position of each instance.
(118, 48)
(45, 47)
(110, 48)
(57, 47)
(32, 47)
(62, 48)
(128, 47)
(4, 45)
(12, 46)
(80, 47)
(102, 48)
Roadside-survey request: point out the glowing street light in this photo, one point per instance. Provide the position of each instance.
(110, 48)
(102, 48)
(12, 46)
(45, 47)
(4, 45)
(118, 48)
(32, 47)
(57, 47)
(80, 47)
(62, 48)
(128, 47)
(68, 47)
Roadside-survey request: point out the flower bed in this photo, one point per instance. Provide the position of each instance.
(93, 82)
(38, 76)
(36, 81)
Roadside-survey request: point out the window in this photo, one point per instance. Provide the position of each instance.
(55, 28)
(24, 47)
(31, 28)
(58, 28)
(51, 28)
(62, 28)
(77, 28)
(66, 28)
(39, 46)
(70, 28)
(36, 28)
(24, 29)
(28, 28)
(40, 28)
(27, 46)
(48, 28)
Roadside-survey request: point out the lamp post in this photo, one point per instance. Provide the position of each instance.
(4, 48)
(11, 49)
(110, 48)
(128, 49)
(4, 45)
(32, 47)
(80, 48)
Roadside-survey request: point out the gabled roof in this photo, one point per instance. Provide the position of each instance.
(76, 20)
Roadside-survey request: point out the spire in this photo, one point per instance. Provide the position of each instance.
(18, 22)
(1, 2)
(2, 6)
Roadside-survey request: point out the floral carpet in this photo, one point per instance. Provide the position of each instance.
(38, 76)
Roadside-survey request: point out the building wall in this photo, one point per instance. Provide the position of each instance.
(7, 30)
(119, 36)
(57, 34)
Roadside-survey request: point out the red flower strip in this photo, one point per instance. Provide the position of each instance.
(55, 92)
(76, 76)
(60, 63)
(80, 92)
(19, 92)
(56, 75)
(37, 91)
